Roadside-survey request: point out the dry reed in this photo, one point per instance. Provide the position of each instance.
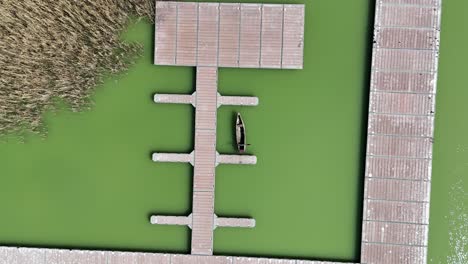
(61, 49)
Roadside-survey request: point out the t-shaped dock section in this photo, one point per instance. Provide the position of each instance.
(209, 36)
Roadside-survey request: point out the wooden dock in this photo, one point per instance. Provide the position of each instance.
(400, 128)
(209, 36)
(400, 132)
(204, 159)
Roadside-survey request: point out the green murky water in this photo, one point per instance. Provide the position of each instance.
(448, 229)
(91, 184)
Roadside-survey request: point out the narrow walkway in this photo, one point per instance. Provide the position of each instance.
(401, 122)
(13, 255)
(205, 161)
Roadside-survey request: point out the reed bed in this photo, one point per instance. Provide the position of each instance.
(60, 50)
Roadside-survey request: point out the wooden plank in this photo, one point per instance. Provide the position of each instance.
(165, 33)
(421, 61)
(390, 254)
(207, 96)
(27, 256)
(397, 190)
(402, 103)
(271, 36)
(203, 223)
(408, 16)
(187, 34)
(395, 233)
(153, 258)
(406, 147)
(249, 52)
(205, 160)
(407, 38)
(122, 258)
(229, 35)
(208, 15)
(8, 255)
(398, 168)
(293, 37)
(403, 125)
(434, 3)
(403, 82)
(395, 211)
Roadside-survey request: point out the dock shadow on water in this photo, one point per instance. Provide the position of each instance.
(367, 68)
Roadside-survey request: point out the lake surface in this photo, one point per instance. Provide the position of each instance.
(91, 184)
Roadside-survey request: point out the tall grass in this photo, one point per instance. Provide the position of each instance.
(59, 49)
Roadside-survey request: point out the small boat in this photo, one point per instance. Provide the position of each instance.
(240, 134)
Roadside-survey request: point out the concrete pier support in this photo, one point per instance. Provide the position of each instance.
(187, 221)
(174, 98)
(235, 159)
(192, 99)
(171, 220)
(173, 157)
(234, 222)
(237, 100)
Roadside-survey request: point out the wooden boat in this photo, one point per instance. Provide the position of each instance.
(240, 134)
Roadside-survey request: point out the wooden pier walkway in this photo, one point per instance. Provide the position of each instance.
(13, 255)
(400, 130)
(205, 161)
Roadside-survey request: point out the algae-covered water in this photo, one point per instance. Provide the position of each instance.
(91, 184)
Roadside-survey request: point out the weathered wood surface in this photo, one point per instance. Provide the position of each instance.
(229, 35)
(13, 255)
(400, 131)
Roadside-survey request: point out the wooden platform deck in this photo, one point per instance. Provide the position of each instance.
(229, 35)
